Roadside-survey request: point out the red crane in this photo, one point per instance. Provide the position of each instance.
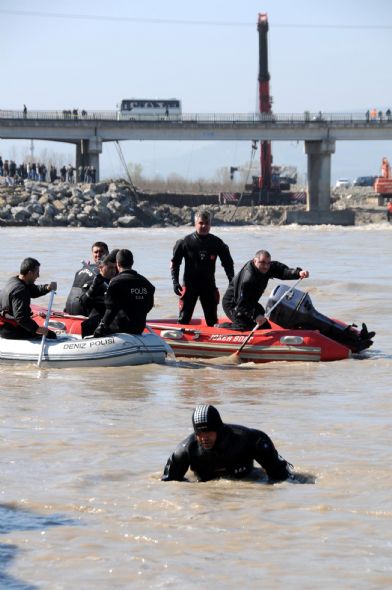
(264, 101)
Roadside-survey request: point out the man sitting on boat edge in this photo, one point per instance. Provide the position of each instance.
(15, 303)
(241, 300)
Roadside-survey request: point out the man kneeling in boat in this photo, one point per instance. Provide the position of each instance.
(128, 300)
(218, 450)
(241, 300)
(15, 303)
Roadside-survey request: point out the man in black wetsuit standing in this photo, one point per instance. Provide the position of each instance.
(200, 251)
(128, 300)
(241, 300)
(218, 450)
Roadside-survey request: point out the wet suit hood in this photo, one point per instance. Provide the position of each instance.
(206, 418)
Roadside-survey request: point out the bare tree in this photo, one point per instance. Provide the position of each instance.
(176, 183)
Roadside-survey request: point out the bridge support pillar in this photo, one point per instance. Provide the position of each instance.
(319, 174)
(87, 154)
(319, 189)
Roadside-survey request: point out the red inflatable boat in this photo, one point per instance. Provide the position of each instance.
(297, 333)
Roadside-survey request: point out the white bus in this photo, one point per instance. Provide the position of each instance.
(144, 109)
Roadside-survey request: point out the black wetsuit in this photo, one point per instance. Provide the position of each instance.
(233, 454)
(241, 300)
(15, 305)
(83, 279)
(93, 303)
(128, 300)
(200, 254)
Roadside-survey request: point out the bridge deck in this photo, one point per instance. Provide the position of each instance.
(105, 125)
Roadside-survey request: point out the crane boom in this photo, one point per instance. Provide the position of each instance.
(264, 100)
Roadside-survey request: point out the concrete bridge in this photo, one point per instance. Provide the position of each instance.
(318, 131)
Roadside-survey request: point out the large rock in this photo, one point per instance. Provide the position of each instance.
(17, 198)
(102, 200)
(60, 220)
(45, 221)
(88, 210)
(35, 208)
(128, 221)
(98, 188)
(20, 214)
(59, 205)
(45, 198)
(49, 211)
(114, 206)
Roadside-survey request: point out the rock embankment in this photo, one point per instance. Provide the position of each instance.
(113, 204)
(64, 204)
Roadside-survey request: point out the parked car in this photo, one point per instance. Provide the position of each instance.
(364, 181)
(343, 183)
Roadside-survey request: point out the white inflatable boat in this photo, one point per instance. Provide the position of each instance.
(116, 350)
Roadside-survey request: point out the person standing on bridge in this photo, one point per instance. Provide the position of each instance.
(200, 251)
(24, 111)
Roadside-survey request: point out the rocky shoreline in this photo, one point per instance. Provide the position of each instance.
(113, 204)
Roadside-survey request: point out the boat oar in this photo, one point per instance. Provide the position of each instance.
(175, 328)
(235, 357)
(46, 324)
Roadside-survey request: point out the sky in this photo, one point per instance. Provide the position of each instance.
(331, 56)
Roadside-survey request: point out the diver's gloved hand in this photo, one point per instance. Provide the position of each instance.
(100, 331)
(366, 337)
(177, 289)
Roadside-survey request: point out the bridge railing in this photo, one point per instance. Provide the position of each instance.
(282, 119)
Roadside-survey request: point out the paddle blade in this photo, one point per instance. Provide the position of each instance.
(233, 359)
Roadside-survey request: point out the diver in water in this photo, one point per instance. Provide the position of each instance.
(218, 450)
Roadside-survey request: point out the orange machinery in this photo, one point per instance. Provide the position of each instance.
(383, 184)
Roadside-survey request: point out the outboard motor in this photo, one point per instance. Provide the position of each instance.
(296, 311)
